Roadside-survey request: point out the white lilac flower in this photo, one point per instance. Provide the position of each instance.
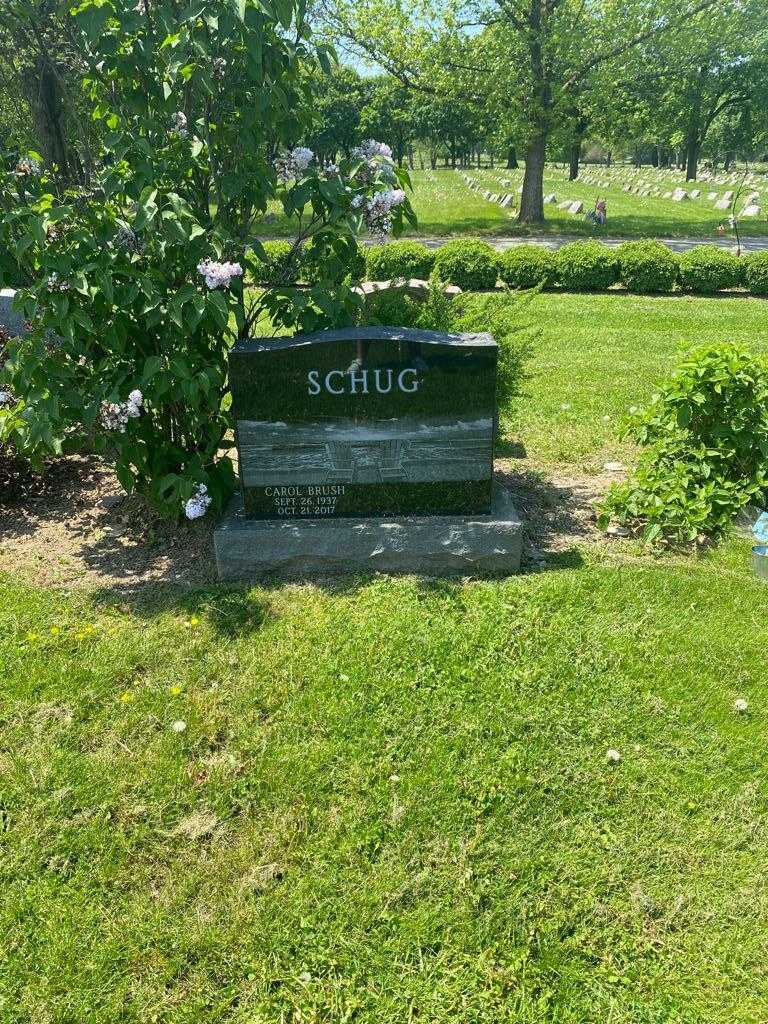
(114, 416)
(294, 164)
(377, 211)
(5, 398)
(302, 157)
(141, 7)
(54, 284)
(134, 404)
(613, 756)
(740, 706)
(370, 149)
(179, 126)
(218, 274)
(198, 504)
(219, 67)
(27, 166)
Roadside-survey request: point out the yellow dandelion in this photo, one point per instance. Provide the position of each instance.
(31, 637)
(175, 691)
(127, 697)
(54, 630)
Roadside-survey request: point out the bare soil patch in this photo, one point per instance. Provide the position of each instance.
(557, 508)
(74, 526)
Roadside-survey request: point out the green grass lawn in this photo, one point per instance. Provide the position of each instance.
(445, 205)
(600, 354)
(389, 800)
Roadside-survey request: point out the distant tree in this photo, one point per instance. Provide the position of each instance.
(389, 115)
(536, 54)
(339, 99)
(43, 67)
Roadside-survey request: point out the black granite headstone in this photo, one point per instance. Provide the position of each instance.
(365, 421)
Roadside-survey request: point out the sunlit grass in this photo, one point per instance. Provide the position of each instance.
(445, 205)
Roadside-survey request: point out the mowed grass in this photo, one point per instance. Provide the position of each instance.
(445, 205)
(598, 355)
(389, 800)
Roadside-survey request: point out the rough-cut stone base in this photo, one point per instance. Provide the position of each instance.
(12, 321)
(484, 545)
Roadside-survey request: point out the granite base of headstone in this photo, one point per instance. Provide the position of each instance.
(367, 449)
(10, 320)
(451, 545)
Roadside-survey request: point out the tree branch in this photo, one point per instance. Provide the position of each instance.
(638, 38)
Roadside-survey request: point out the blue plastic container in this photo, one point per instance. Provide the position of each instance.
(760, 561)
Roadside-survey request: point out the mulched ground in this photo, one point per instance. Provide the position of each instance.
(73, 526)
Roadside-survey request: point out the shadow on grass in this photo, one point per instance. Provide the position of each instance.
(109, 544)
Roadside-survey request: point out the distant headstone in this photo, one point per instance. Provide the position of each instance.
(679, 195)
(695, 193)
(723, 204)
(10, 320)
(549, 199)
(565, 204)
(507, 201)
(576, 207)
(728, 196)
(752, 210)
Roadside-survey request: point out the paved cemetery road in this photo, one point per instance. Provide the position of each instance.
(556, 241)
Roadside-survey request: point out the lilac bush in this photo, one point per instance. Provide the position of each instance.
(140, 279)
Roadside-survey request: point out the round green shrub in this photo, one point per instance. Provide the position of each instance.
(281, 267)
(399, 260)
(756, 273)
(526, 266)
(708, 269)
(472, 265)
(647, 267)
(586, 266)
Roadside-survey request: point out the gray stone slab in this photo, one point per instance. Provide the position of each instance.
(12, 321)
(473, 545)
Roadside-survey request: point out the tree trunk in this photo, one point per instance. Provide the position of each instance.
(575, 156)
(691, 159)
(608, 158)
(512, 163)
(532, 197)
(46, 99)
(655, 156)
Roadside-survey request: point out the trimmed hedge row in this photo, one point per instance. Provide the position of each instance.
(644, 267)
